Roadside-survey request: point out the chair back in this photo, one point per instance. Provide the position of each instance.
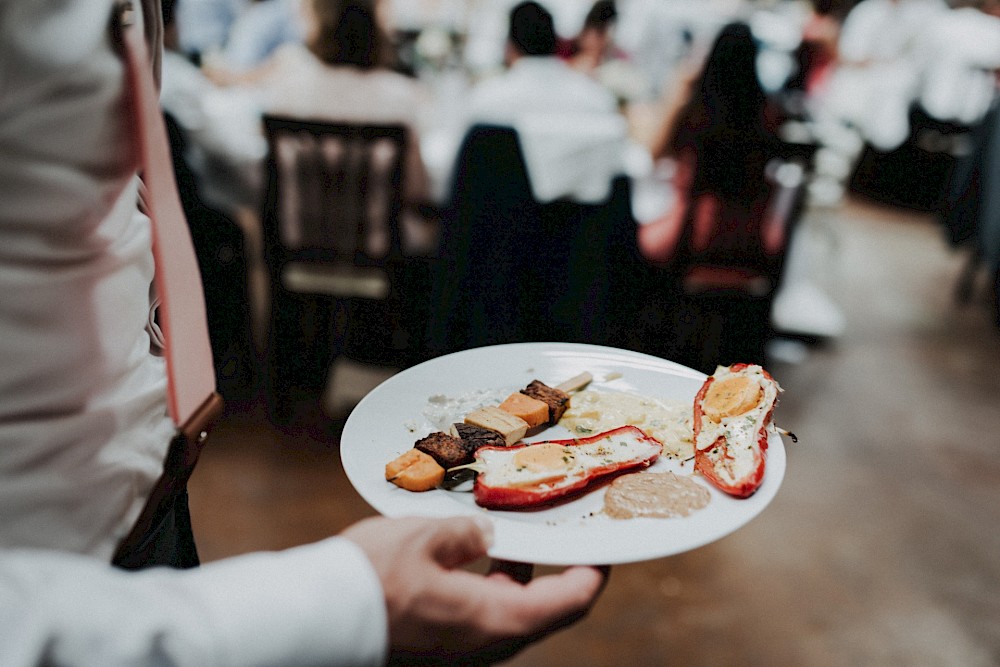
(332, 206)
(332, 245)
(512, 269)
(741, 246)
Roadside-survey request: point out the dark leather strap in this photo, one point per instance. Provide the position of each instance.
(192, 400)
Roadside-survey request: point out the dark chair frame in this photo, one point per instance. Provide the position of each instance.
(328, 279)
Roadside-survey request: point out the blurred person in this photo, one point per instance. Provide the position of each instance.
(879, 68)
(536, 79)
(260, 28)
(342, 73)
(595, 43)
(84, 428)
(595, 52)
(963, 58)
(717, 228)
(817, 55)
(720, 135)
(223, 146)
(570, 130)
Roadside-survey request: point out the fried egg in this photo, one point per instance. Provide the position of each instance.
(737, 404)
(564, 461)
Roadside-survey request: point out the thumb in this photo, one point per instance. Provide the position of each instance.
(459, 540)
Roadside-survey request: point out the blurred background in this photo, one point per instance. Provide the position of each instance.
(806, 185)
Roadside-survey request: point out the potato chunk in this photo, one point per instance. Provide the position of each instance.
(531, 410)
(556, 399)
(414, 471)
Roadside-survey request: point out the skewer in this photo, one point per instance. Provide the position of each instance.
(475, 466)
(786, 432)
(507, 425)
(574, 383)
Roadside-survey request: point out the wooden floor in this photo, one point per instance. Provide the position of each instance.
(881, 548)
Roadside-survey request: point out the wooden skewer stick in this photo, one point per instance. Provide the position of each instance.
(476, 466)
(575, 383)
(786, 432)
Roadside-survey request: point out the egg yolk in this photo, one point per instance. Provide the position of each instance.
(545, 456)
(731, 396)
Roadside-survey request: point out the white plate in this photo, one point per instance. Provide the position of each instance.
(391, 418)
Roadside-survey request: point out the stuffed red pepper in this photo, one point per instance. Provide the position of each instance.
(538, 474)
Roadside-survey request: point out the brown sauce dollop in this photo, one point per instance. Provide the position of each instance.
(654, 495)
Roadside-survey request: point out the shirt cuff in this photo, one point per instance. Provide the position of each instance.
(318, 604)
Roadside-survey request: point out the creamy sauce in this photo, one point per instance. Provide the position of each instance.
(593, 412)
(654, 495)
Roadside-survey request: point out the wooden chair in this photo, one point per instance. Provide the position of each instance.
(332, 245)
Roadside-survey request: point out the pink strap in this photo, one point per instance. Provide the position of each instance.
(190, 372)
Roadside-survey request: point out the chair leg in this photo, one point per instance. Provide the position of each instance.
(302, 345)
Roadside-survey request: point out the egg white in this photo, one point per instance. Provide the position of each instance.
(504, 467)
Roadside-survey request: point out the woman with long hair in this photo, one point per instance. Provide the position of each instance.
(721, 140)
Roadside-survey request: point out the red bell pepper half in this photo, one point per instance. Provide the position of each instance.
(587, 460)
(719, 461)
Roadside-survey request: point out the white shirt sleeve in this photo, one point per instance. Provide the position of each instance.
(83, 427)
(319, 604)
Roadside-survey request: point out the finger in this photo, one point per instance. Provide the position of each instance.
(505, 608)
(517, 615)
(457, 541)
(605, 572)
(554, 596)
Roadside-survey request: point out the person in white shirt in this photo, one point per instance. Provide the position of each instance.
(536, 80)
(880, 67)
(221, 126)
(341, 73)
(571, 133)
(84, 427)
(963, 57)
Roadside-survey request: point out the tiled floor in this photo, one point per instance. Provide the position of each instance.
(881, 548)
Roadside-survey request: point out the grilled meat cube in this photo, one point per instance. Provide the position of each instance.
(474, 437)
(445, 449)
(556, 399)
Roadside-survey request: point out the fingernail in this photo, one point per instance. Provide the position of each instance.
(485, 527)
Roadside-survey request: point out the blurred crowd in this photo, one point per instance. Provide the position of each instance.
(694, 102)
(852, 71)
